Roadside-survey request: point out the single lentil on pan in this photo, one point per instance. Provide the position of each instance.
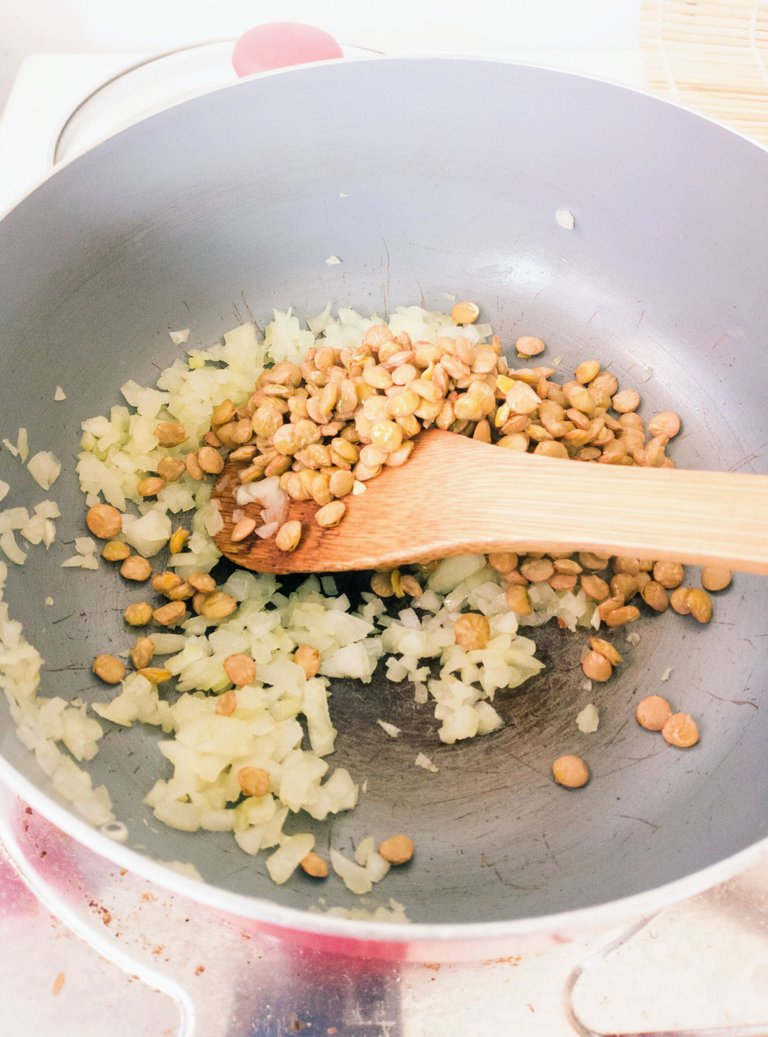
(109, 668)
(714, 579)
(254, 781)
(653, 712)
(135, 567)
(397, 849)
(472, 631)
(314, 865)
(680, 730)
(104, 521)
(570, 771)
(308, 658)
(240, 668)
(142, 652)
(115, 551)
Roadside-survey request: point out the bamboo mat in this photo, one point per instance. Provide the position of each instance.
(711, 57)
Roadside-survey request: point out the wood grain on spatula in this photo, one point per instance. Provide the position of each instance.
(457, 496)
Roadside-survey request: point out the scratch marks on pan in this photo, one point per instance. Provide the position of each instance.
(514, 885)
(745, 462)
(249, 311)
(550, 851)
(632, 761)
(616, 733)
(642, 820)
(386, 268)
(722, 339)
(735, 702)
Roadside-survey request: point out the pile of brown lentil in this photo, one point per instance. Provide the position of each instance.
(337, 418)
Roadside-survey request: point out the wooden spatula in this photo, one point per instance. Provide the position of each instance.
(457, 496)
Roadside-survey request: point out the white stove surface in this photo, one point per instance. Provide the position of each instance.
(135, 960)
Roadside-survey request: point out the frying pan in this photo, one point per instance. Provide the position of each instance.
(426, 177)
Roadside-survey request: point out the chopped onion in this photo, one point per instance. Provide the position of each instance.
(388, 729)
(287, 857)
(363, 850)
(376, 866)
(354, 877)
(22, 445)
(11, 549)
(44, 467)
(59, 394)
(273, 499)
(588, 720)
(425, 763)
(149, 533)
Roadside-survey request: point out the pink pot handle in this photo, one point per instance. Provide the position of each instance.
(281, 44)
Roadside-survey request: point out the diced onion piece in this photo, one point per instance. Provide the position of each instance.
(47, 509)
(565, 219)
(287, 857)
(363, 850)
(22, 445)
(376, 866)
(388, 729)
(44, 467)
(59, 394)
(11, 549)
(355, 878)
(148, 534)
(588, 720)
(425, 763)
(179, 337)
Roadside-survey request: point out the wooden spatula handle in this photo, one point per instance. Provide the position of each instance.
(545, 504)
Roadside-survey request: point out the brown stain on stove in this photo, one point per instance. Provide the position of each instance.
(105, 915)
(509, 959)
(58, 983)
(200, 970)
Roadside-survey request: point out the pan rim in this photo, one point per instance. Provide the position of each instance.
(375, 58)
(289, 918)
(595, 916)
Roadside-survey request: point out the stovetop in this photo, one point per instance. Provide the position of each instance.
(90, 950)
